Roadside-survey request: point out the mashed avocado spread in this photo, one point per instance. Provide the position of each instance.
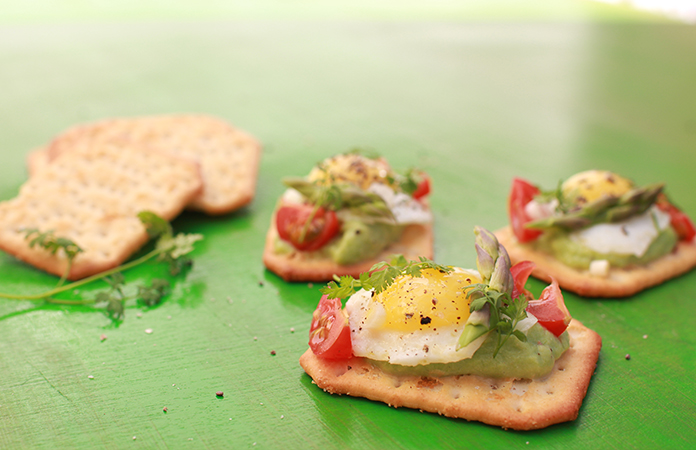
(356, 242)
(575, 254)
(516, 359)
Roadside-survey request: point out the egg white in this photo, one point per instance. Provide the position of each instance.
(628, 237)
(405, 208)
(370, 339)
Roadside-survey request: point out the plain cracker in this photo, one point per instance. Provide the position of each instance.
(229, 158)
(37, 160)
(621, 282)
(93, 197)
(416, 240)
(508, 403)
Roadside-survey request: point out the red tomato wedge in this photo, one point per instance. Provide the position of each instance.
(520, 273)
(306, 232)
(550, 309)
(329, 334)
(681, 223)
(423, 188)
(521, 193)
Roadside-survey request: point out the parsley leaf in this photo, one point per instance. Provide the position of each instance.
(505, 313)
(493, 295)
(152, 295)
(380, 276)
(52, 243)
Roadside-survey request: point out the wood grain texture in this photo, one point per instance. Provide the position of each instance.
(473, 103)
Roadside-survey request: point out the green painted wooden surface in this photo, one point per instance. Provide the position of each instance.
(474, 102)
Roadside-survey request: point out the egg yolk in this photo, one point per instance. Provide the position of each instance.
(586, 187)
(434, 299)
(351, 168)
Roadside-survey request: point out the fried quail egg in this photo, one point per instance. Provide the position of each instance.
(416, 320)
(351, 168)
(374, 176)
(586, 187)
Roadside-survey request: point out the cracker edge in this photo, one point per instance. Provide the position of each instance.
(578, 365)
(415, 241)
(246, 193)
(619, 283)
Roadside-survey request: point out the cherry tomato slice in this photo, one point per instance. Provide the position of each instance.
(550, 309)
(423, 188)
(681, 223)
(521, 193)
(520, 273)
(305, 232)
(329, 334)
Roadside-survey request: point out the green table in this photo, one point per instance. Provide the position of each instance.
(474, 95)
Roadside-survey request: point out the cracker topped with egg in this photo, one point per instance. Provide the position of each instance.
(469, 344)
(599, 234)
(350, 212)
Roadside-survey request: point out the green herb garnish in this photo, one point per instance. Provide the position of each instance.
(169, 248)
(494, 294)
(505, 313)
(380, 276)
(370, 207)
(408, 182)
(52, 243)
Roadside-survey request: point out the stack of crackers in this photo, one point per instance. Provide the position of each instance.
(90, 182)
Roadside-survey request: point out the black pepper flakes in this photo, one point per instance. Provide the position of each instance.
(425, 320)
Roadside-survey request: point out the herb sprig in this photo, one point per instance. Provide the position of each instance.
(408, 182)
(493, 295)
(505, 313)
(52, 243)
(169, 248)
(380, 276)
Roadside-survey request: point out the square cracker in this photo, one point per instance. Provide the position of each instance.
(92, 196)
(621, 282)
(37, 160)
(416, 240)
(228, 157)
(508, 403)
